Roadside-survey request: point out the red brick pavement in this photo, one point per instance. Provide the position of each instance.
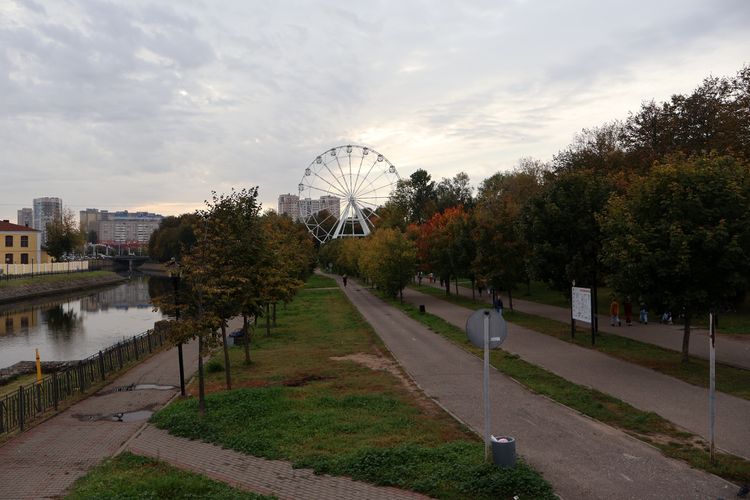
(272, 477)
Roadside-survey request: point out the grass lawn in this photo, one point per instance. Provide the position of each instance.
(647, 426)
(129, 476)
(322, 393)
(53, 278)
(730, 380)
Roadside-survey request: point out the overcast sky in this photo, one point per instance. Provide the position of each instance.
(152, 105)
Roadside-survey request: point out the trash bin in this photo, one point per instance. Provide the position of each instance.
(421, 308)
(503, 451)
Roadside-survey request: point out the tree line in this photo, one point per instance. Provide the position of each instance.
(230, 260)
(657, 206)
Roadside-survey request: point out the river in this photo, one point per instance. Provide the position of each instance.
(75, 326)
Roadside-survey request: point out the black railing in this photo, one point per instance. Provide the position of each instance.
(30, 402)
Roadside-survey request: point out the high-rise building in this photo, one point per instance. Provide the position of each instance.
(289, 205)
(125, 228)
(26, 217)
(89, 220)
(46, 211)
(309, 206)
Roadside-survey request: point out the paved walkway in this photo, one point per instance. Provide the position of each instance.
(270, 477)
(684, 404)
(582, 458)
(731, 350)
(45, 461)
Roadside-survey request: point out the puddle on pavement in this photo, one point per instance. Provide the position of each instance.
(137, 387)
(156, 387)
(132, 416)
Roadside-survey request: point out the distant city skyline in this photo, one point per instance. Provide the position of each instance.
(151, 106)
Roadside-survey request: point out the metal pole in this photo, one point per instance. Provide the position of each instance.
(712, 385)
(182, 370)
(486, 386)
(572, 320)
(593, 320)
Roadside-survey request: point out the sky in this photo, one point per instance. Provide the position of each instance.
(151, 106)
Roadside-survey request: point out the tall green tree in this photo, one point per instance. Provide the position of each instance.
(415, 197)
(502, 252)
(561, 229)
(680, 236)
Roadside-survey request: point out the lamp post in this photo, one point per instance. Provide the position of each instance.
(176, 277)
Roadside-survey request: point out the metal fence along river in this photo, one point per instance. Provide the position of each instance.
(33, 401)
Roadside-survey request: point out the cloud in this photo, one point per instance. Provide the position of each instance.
(140, 103)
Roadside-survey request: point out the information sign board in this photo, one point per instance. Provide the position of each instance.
(581, 303)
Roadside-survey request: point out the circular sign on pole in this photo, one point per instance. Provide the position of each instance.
(475, 328)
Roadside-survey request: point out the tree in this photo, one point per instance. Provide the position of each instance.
(445, 244)
(561, 229)
(414, 197)
(388, 258)
(173, 235)
(501, 255)
(680, 236)
(454, 192)
(63, 235)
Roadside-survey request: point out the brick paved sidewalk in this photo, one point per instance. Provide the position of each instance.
(44, 461)
(270, 477)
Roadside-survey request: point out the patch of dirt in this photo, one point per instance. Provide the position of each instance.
(381, 363)
(303, 380)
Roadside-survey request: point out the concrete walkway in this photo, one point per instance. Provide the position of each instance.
(582, 458)
(684, 404)
(45, 461)
(270, 477)
(731, 350)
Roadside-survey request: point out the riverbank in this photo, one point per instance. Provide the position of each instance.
(40, 286)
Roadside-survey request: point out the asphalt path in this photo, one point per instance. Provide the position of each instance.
(582, 458)
(730, 349)
(679, 402)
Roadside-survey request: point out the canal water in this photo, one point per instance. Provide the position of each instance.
(75, 326)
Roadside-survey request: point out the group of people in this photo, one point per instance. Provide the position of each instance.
(614, 312)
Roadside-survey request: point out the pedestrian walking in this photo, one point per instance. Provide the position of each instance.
(643, 316)
(628, 305)
(343, 278)
(614, 312)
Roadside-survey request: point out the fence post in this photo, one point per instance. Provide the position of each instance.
(55, 390)
(101, 364)
(148, 337)
(81, 377)
(2, 416)
(20, 407)
(119, 353)
(38, 390)
(135, 346)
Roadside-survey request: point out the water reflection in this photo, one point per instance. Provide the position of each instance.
(75, 326)
(61, 320)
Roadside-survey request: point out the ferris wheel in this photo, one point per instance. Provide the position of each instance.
(341, 190)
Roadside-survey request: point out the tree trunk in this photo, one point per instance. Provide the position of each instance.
(686, 340)
(473, 297)
(401, 295)
(268, 319)
(246, 336)
(227, 371)
(201, 379)
(274, 314)
(448, 286)
(456, 285)
(510, 299)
